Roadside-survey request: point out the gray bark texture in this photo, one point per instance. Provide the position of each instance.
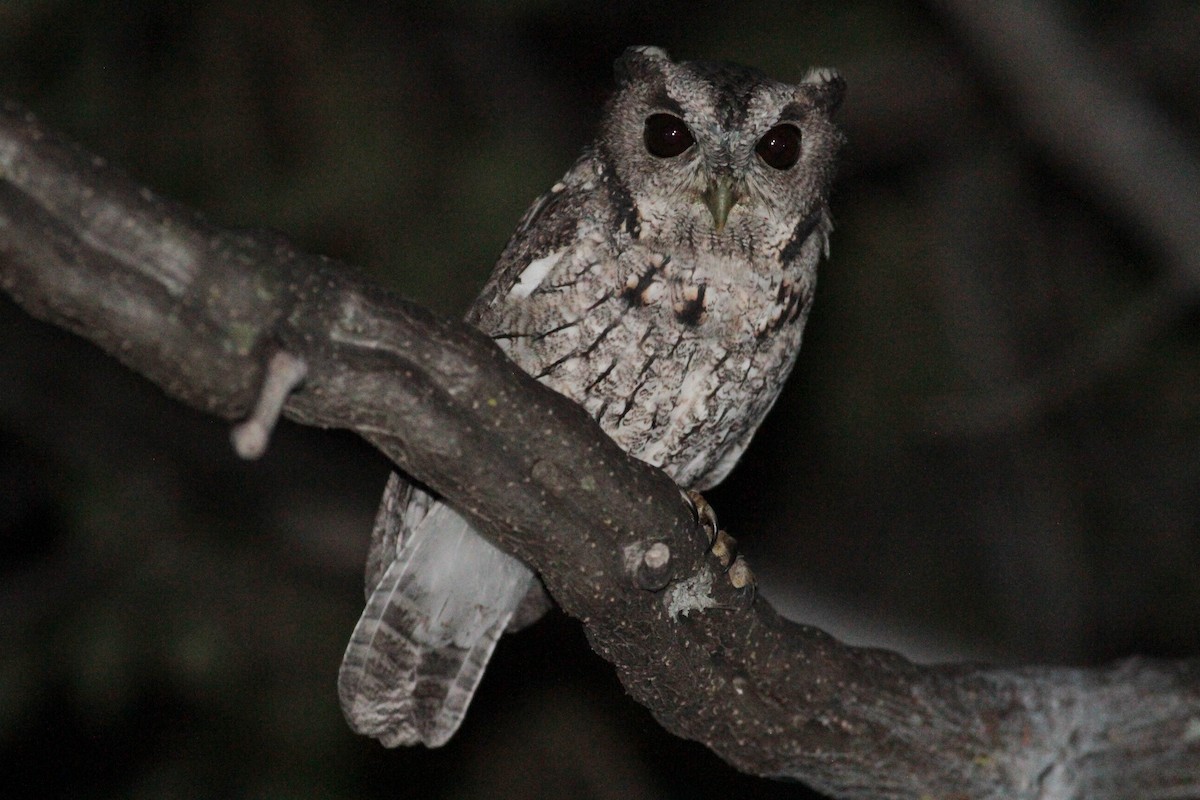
(201, 311)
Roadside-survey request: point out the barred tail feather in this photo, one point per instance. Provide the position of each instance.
(429, 628)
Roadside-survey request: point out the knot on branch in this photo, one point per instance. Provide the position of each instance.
(650, 564)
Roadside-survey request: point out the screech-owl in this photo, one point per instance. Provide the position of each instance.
(663, 284)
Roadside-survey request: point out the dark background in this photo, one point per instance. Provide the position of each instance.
(948, 471)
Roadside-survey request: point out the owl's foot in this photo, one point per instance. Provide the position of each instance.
(724, 547)
(704, 515)
(721, 544)
(741, 576)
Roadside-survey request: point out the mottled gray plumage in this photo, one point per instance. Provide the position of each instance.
(666, 293)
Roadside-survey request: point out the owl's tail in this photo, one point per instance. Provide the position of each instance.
(430, 624)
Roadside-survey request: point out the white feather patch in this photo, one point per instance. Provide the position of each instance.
(532, 276)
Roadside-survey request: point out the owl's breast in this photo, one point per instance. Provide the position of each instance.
(677, 356)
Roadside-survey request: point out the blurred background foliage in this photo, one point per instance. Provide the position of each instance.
(172, 619)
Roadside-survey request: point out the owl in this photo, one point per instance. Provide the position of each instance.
(663, 284)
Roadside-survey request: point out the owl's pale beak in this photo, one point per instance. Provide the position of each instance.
(720, 196)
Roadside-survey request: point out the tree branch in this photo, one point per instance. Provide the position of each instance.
(201, 311)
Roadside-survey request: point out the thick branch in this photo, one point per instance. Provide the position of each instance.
(200, 311)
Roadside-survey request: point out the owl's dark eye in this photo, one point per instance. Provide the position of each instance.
(667, 135)
(780, 146)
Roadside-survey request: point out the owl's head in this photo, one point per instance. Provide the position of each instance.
(720, 152)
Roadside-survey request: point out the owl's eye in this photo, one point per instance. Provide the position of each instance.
(667, 135)
(780, 146)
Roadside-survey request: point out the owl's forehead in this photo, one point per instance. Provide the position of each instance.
(728, 95)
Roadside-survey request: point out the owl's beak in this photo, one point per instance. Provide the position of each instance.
(720, 196)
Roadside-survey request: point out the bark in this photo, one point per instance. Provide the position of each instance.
(202, 311)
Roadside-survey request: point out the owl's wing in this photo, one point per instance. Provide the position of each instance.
(402, 508)
(440, 602)
(438, 594)
(549, 229)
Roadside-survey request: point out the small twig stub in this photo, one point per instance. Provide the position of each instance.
(285, 372)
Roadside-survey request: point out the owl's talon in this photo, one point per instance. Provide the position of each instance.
(724, 547)
(742, 578)
(704, 515)
(720, 543)
(686, 494)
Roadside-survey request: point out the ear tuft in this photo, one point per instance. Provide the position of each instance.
(830, 87)
(640, 62)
